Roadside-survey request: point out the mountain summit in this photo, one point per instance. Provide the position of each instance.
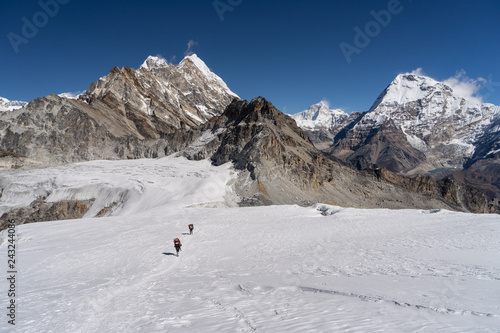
(321, 123)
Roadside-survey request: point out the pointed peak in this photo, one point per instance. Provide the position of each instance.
(200, 64)
(323, 108)
(203, 68)
(153, 62)
(193, 56)
(320, 116)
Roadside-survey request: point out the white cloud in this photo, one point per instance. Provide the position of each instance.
(462, 85)
(189, 50)
(465, 86)
(326, 102)
(418, 71)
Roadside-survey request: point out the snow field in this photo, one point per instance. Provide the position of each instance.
(260, 269)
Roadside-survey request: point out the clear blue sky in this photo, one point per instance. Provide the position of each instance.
(287, 51)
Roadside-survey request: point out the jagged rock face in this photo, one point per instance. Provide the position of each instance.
(279, 165)
(7, 105)
(183, 96)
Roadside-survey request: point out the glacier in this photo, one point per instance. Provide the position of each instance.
(283, 268)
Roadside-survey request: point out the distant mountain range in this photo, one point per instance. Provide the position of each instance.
(6, 105)
(417, 126)
(160, 109)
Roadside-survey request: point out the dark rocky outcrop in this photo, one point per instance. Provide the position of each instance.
(40, 211)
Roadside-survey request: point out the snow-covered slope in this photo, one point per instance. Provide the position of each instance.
(126, 186)
(320, 116)
(261, 269)
(7, 105)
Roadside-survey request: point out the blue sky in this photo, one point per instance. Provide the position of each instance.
(287, 51)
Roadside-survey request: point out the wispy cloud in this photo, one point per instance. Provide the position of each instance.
(466, 87)
(418, 71)
(462, 85)
(189, 50)
(326, 102)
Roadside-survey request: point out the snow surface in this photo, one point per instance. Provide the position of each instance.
(260, 269)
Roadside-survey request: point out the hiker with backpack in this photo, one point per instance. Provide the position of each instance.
(177, 244)
(191, 228)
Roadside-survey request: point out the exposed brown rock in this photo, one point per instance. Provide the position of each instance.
(39, 211)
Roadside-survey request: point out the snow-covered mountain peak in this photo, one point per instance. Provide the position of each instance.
(8, 105)
(200, 64)
(153, 62)
(319, 116)
(407, 88)
(193, 59)
(442, 119)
